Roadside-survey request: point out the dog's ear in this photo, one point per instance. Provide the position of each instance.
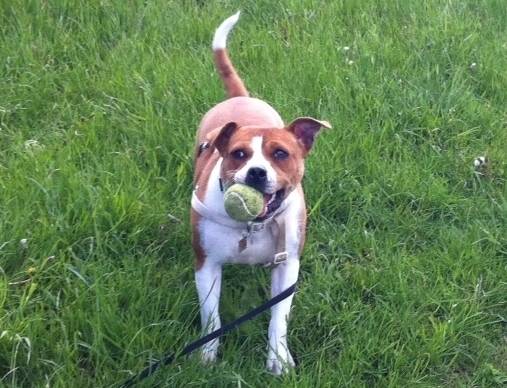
(219, 137)
(305, 129)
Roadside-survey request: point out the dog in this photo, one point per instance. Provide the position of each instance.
(244, 140)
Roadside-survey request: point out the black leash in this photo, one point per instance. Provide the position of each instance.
(169, 357)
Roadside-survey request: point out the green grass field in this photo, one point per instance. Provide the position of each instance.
(404, 275)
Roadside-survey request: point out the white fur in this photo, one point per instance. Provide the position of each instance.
(208, 280)
(282, 277)
(220, 244)
(258, 160)
(220, 38)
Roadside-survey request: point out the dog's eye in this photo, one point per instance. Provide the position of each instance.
(280, 154)
(238, 154)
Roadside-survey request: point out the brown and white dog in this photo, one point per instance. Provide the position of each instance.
(244, 140)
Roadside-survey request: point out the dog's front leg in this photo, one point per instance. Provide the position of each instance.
(282, 277)
(208, 280)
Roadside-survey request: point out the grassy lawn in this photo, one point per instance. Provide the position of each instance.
(404, 275)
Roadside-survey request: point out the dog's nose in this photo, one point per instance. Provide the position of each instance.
(256, 173)
(256, 177)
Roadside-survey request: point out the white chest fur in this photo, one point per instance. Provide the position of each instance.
(221, 244)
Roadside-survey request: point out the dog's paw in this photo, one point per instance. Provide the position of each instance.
(209, 352)
(280, 363)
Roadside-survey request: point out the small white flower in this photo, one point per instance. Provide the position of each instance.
(24, 243)
(480, 162)
(350, 62)
(473, 65)
(346, 48)
(31, 143)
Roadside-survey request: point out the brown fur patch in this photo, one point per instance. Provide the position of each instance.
(291, 169)
(200, 256)
(233, 84)
(302, 223)
(204, 164)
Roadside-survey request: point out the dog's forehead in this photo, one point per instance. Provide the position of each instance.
(248, 135)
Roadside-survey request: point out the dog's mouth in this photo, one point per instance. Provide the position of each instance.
(272, 203)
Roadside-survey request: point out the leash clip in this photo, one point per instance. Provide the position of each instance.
(278, 258)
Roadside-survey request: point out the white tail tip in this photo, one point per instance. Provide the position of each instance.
(220, 38)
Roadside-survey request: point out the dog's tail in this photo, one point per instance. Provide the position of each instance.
(233, 84)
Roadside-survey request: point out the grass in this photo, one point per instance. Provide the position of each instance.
(404, 276)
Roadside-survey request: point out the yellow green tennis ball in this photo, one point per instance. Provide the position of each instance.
(243, 203)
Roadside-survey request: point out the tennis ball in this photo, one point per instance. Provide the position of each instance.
(243, 203)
